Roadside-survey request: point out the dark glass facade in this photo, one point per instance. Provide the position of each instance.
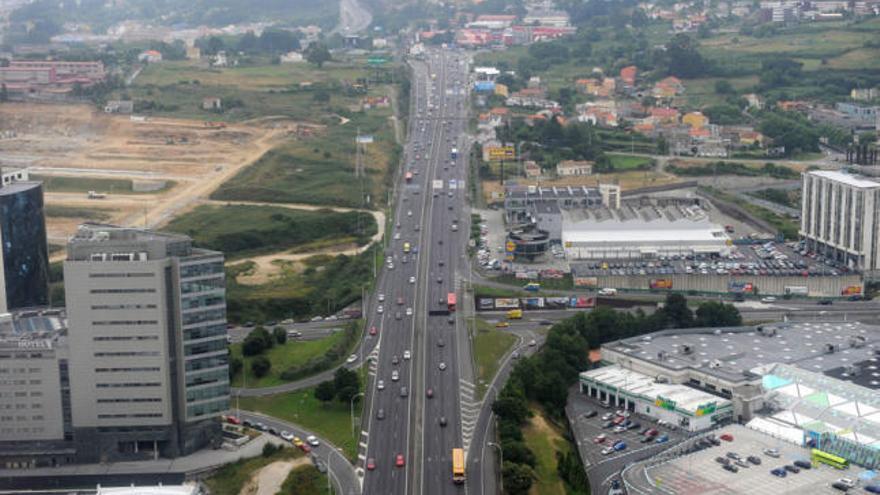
(23, 237)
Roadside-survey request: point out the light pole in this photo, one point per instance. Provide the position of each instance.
(501, 469)
(359, 394)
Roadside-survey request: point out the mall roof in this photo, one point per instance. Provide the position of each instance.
(845, 178)
(735, 354)
(684, 397)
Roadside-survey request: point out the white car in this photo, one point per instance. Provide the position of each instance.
(287, 435)
(442, 366)
(395, 376)
(768, 299)
(412, 280)
(406, 355)
(380, 309)
(532, 343)
(848, 482)
(352, 358)
(380, 385)
(408, 311)
(313, 440)
(397, 236)
(409, 213)
(381, 297)
(607, 450)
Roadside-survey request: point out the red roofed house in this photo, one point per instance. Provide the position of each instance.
(628, 75)
(663, 115)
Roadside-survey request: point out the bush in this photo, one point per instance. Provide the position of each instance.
(280, 335)
(261, 365)
(256, 342)
(270, 448)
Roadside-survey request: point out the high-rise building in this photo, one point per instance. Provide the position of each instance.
(24, 256)
(147, 337)
(840, 217)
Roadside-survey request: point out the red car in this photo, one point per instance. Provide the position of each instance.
(305, 448)
(618, 420)
(400, 301)
(373, 330)
(599, 439)
(399, 462)
(727, 437)
(430, 393)
(233, 420)
(371, 464)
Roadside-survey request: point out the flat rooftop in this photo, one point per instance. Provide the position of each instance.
(853, 180)
(733, 354)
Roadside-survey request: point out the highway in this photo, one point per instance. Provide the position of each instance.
(409, 424)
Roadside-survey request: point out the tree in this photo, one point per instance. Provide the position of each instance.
(317, 54)
(717, 314)
(321, 96)
(676, 311)
(347, 384)
(518, 478)
(280, 335)
(325, 391)
(780, 72)
(683, 59)
(261, 365)
(723, 87)
(256, 342)
(235, 365)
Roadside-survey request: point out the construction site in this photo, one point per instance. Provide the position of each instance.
(171, 163)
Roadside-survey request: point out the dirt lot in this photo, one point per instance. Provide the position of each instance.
(77, 140)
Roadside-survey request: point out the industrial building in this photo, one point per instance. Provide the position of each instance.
(635, 233)
(519, 201)
(840, 218)
(24, 256)
(23, 76)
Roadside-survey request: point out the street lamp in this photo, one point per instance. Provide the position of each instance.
(501, 457)
(355, 396)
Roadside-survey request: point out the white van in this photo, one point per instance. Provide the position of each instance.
(607, 292)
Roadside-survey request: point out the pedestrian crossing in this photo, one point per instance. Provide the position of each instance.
(470, 412)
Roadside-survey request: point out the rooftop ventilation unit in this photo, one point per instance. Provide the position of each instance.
(686, 349)
(661, 356)
(853, 370)
(831, 348)
(715, 364)
(857, 341)
(767, 331)
(661, 379)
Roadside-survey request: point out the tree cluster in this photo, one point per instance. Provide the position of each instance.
(344, 385)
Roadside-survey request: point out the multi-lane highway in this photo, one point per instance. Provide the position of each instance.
(419, 343)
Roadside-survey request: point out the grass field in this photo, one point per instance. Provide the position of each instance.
(545, 440)
(239, 230)
(259, 77)
(490, 345)
(231, 478)
(628, 162)
(293, 353)
(321, 170)
(96, 214)
(86, 184)
(331, 421)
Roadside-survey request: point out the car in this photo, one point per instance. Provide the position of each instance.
(768, 299)
(731, 468)
(502, 324)
(429, 393)
(398, 316)
(662, 439)
(848, 482)
(772, 453)
(825, 302)
(395, 360)
(380, 385)
(407, 355)
(727, 437)
(380, 414)
(633, 426)
(590, 414)
(286, 435)
(305, 448)
(621, 445)
(260, 426)
(380, 309)
(608, 424)
(839, 486)
(618, 420)
(803, 464)
(713, 440)
(607, 416)
(439, 280)
(409, 311)
(404, 392)
(371, 464)
(754, 460)
(532, 343)
(313, 440)
(780, 472)
(412, 280)
(400, 301)
(398, 460)
(352, 358)
(373, 330)
(646, 440)
(733, 455)
(619, 429)
(607, 450)
(297, 442)
(741, 463)
(442, 421)
(440, 343)
(653, 432)
(872, 488)
(722, 460)
(233, 420)
(600, 439)
(395, 375)
(381, 297)
(442, 366)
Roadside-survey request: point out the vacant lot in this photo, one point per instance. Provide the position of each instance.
(68, 184)
(241, 230)
(258, 77)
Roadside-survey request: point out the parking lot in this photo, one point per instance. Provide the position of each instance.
(586, 429)
(700, 473)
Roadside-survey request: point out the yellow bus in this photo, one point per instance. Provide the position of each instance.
(458, 466)
(406, 247)
(830, 459)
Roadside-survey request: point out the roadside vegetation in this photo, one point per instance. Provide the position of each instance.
(490, 345)
(734, 168)
(790, 198)
(242, 230)
(94, 214)
(784, 225)
(328, 419)
(541, 382)
(305, 480)
(270, 358)
(231, 478)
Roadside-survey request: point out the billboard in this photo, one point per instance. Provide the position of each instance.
(852, 290)
(796, 290)
(741, 287)
(555, 302)
(665, 403)
(582, 302)
(586, 282)
(502, 153)
(484, 87)
(707, 408)
(532, 302)
(364, 139)
(485, 303)
(660, 283)
(506, 303)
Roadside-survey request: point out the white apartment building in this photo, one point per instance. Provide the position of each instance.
(840, 217)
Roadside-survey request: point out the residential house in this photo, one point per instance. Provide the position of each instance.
(193, 53)
(212, 103)
(668, 88)
(534, 82)
(375, 102)
(220, 60)
(751, 138)
(696, 120)
(572, 168)
(501, 90)
(552, 18)
(754, 100)
(292, 58)
(628, 76)
(596, 87)
(531, 170)
(119, 106)
(150, 56)
(866, 94)
(664, 115)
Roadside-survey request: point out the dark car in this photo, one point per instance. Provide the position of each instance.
(273, 431)
(442, 421)
(732, 469)
(590, 414)
(754, 460)
(826, 302)
(791, 469)
(778, 472)
(380, 414)
(608, 424)
(839, 486)
(803, 464)
(722, 460)
(872, 488)
(634, 426)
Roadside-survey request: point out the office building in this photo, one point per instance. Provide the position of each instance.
(147, 320)
(24, 258)
(840, 218)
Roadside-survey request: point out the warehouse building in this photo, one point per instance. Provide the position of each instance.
(636, 233)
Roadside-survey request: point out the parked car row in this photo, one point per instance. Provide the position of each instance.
(305, 446)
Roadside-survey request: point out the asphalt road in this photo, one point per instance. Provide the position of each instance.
(341, 472)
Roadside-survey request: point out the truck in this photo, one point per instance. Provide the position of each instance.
(514, 314)
(607, 292)
(453, 154)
